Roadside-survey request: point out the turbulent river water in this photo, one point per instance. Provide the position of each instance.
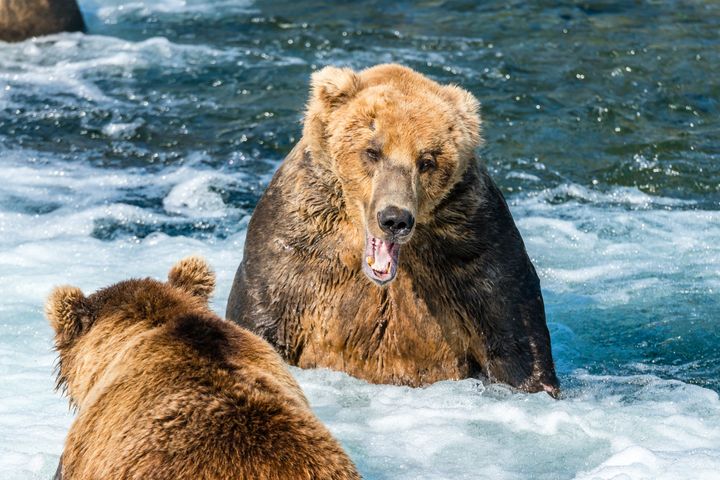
(152, 136)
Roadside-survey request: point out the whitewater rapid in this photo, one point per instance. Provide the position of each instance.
(152, 137)
(639, 425)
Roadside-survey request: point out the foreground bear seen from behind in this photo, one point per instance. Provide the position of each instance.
(165, 389)
(382, 247)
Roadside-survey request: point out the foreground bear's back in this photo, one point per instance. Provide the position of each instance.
(200, 398)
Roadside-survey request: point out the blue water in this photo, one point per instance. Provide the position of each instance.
(153, 136)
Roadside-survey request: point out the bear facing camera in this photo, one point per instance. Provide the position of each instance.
(383, 248)
(165, 389)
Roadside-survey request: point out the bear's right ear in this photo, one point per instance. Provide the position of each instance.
(332, 87)
(68, 312)
(194, 275)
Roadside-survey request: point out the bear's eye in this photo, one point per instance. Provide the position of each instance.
(372, 154)
(426, 163)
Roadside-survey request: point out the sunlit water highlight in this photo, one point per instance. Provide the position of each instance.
(153, 136)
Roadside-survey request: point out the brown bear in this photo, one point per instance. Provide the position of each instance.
(165, 389)
(383, 248)
(22, 19)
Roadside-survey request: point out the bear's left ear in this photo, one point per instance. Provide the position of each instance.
(68, 311)
(331, 87)
(469, 109)
(194, 275)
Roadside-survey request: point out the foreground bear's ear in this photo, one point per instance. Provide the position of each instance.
(193, 275)
(469, 109)
(332, 86)
(68, 312)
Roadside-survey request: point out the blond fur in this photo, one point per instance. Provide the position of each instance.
(165, 389)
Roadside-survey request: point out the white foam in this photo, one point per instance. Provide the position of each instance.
(617, 195)
(122, 129)
(523, 176)
(71, 63)
(112, 10)
(469, 430)
(607, 426)
(85, 195)
(196, 197)
(619, 245)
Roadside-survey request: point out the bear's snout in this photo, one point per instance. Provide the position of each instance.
(396, 222)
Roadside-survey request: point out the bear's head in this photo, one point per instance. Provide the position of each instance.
(116, 312)
(397, 142)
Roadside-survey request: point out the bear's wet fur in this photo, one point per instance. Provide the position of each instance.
(23, 19)
(165, 389)
(383, 248)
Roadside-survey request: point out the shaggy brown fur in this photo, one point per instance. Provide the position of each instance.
(464, 300)
(167, 390)
(21, 19)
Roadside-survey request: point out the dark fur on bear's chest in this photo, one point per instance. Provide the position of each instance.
(466, 300)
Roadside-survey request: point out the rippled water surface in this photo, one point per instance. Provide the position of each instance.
(153, 136)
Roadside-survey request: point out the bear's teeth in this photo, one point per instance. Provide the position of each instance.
(370, 261)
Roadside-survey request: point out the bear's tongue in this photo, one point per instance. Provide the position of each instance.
(380, 260)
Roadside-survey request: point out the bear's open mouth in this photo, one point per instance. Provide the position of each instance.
(380, 261)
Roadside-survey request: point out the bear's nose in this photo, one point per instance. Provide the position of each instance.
(396, 221)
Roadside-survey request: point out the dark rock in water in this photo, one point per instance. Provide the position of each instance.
(22, 19)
